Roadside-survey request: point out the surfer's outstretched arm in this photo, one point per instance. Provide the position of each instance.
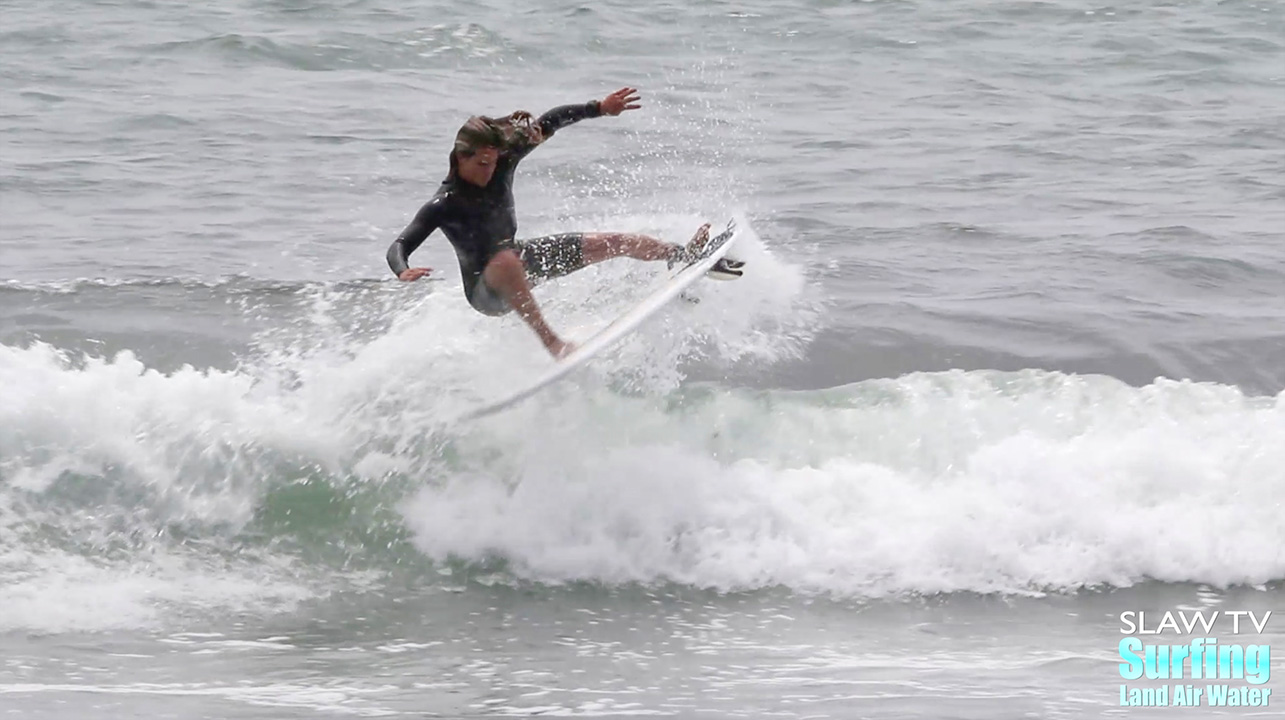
(564, 115)
(428, 219)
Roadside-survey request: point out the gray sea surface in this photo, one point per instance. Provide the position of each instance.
(1007, 361)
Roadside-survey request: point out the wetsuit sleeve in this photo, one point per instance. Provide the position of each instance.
(564, 115)
(426, 221)
(552, 121)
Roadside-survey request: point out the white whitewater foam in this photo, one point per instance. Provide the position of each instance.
(50, 591)
(107, 454)
(975, 481)
(947, 482)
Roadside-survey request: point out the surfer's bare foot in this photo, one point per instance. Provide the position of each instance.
(697, 243)
(560, 348)
(693, 247)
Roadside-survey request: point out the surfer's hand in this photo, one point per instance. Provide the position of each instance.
(413, 274)
(619, 101)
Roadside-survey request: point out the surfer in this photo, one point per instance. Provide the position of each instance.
(474, 209)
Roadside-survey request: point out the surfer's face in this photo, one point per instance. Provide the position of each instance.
(478, 168)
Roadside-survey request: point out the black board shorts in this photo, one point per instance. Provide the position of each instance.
(543, 257)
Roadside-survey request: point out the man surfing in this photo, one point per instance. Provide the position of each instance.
(474, 208)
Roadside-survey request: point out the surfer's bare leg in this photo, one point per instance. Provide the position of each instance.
(507, 275)
(597, 247)
(604, 246)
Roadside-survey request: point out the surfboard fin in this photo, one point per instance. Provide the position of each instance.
(726, 269)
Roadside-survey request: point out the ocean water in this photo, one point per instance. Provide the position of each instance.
(1007, 361)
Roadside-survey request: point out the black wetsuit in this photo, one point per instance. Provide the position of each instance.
(481, 221)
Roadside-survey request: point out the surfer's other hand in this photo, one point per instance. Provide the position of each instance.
(413, 274)
(619, 101)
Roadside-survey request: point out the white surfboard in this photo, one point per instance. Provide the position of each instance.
(678, 280)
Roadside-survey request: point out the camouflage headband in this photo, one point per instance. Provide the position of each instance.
(514, 130)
